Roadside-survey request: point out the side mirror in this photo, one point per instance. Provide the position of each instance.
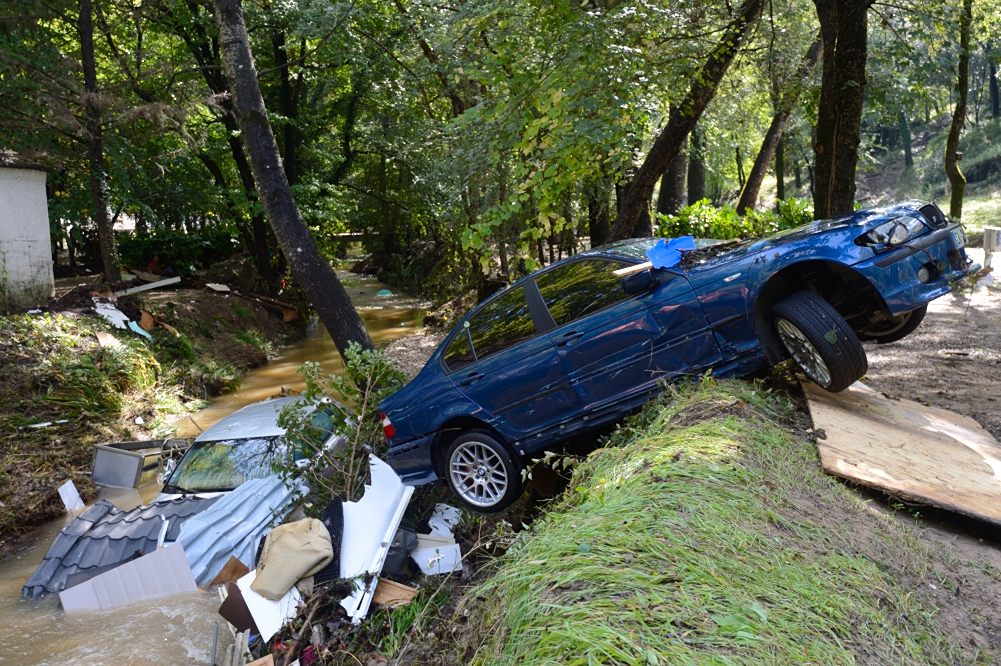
(639, 283)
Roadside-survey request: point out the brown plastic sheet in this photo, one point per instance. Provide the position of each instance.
(919, 453)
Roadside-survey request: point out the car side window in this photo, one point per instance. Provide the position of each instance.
(581, 288)
(458, 354)
(504, 322)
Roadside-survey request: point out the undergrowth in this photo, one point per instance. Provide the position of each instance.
(705, 532)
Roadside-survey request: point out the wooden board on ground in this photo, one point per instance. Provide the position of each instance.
(918, 453)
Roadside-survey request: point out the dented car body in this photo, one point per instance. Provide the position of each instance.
(581, 343)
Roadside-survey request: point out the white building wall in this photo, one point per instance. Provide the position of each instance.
(25, 244)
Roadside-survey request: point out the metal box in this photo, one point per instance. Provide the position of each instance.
(127, 464)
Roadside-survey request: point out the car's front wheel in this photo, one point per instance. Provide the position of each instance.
(482, 472)
(819, 340)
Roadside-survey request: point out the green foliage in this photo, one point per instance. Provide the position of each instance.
(181, 250)
(350, 401)
(703, 220)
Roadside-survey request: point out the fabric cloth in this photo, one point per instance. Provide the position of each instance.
(291, 551)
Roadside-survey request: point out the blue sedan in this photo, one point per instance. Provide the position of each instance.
(578, 345)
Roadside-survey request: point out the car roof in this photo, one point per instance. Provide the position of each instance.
(259, 419)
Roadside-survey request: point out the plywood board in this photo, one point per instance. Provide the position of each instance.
(919, 453)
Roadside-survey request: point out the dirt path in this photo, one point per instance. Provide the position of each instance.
(952, 361)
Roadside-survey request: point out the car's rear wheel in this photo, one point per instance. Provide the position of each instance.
(892, 329)
(482, 472)
(819, 340)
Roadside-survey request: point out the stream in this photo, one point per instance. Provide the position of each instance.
(178, 629)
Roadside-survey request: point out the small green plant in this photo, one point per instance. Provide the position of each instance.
(351, 402)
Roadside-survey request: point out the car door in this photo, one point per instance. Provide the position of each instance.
(499, 362)
(614, 345)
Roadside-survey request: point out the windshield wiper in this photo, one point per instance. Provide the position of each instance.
(173, 488)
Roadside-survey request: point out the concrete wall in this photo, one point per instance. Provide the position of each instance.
(25, 244)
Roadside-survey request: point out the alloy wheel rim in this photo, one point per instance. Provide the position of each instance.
(478, 474)
(803, 352)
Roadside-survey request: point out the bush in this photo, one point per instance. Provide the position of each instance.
(703, 220)
(179, 250)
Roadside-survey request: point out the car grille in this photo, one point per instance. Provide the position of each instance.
(934, 216)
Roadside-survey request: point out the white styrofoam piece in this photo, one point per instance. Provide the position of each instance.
(369, 526)
(158, 574)
(70, 496)
(438, 560)
(269, 616)
(110, 313)
(443, 519)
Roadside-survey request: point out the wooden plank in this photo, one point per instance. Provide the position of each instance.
(919, 453)
(233, 570)
(147, 287)
(391, 594)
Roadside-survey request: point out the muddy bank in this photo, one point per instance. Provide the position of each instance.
(54, 371)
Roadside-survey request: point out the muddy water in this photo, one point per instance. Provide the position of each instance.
(178, 630)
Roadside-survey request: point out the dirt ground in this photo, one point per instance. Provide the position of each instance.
(952, 361)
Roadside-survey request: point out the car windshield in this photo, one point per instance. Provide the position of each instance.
(222, 465)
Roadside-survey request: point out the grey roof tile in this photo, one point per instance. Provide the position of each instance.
(103, 536)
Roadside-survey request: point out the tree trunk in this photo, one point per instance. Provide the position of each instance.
(780, 171)
(739, 161)
(682, 119)
(773, 137)
(99, 191)
(952, 155)
(993, 84)
(905, 138)
(310, 269)
(844, 28)
(696, 166)
(599, 217)
(672, 185)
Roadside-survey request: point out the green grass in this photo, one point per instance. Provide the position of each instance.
(704, 532)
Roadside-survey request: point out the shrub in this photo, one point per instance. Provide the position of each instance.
(703, 220)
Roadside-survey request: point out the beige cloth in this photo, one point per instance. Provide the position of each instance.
(291, 551)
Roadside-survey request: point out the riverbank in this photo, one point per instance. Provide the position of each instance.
(705, 530)
(68, 380)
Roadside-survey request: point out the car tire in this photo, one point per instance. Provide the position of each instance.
(819, 340)
(482, 472)
(896, 328)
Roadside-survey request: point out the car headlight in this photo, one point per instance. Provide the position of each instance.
(895, 232)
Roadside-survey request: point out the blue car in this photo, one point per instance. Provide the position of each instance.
(581, 343)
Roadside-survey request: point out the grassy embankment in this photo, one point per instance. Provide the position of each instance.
(705, 532)
(52, 369)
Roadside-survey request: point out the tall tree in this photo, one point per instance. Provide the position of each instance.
(957, 180)
(696, 166)
(682, 118)
(313, 273)
(769, 146)
(99, 197)
(672, 185)
(844, 29)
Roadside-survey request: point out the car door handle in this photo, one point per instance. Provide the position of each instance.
(471, 378)
(567, 338)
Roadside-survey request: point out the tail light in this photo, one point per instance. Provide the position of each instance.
(388, 429)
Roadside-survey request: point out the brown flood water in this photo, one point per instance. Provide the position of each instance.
(177, 630)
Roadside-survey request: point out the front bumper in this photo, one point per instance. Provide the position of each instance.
(895, 273)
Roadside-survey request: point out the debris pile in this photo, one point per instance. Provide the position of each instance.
(269, 563)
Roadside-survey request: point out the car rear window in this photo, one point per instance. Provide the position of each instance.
(581, 288)
(503, 322)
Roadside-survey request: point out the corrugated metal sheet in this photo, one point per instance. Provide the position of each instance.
(234, 525)
(103, 536)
